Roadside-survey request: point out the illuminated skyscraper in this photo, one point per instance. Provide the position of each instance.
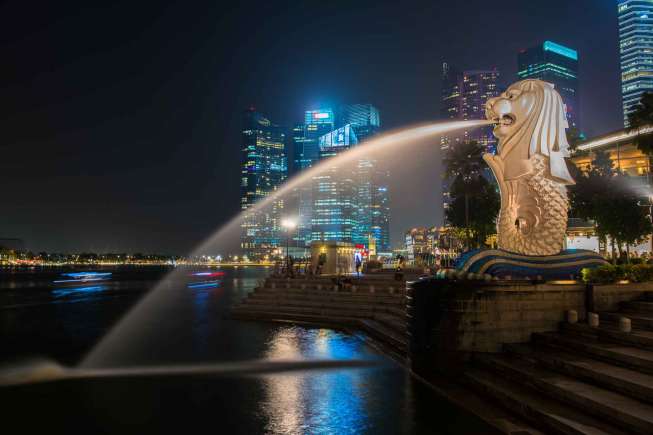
(373, 214)
(306, 149)
(636, 50)
(557, 64)
(334, 193)
(464, 94)
(264, 168)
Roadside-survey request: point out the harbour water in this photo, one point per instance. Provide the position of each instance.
(62, 323)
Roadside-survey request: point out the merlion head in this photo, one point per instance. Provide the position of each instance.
(531, 120)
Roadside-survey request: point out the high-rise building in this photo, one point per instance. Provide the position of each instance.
(306, 147)
(264, 167)
(636, 51)
(373, 216)
(334, 191)
(557, 64)
(464, 94)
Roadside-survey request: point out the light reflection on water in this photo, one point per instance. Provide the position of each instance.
(323, 402)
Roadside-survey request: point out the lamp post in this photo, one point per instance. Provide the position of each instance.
(289, 224)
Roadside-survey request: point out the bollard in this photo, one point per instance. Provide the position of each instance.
(353, 289)
(273, 285)
(391, 290)
(335, 288)
(319, 286)
(624, 324)
(371, 289)
(593, 320)
(572, 316)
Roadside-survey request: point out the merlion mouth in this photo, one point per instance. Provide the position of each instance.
(506, 119)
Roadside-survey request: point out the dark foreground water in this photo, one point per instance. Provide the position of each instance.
(39, 318)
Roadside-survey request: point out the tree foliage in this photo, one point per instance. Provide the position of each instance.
(474, 200)
(609, 198)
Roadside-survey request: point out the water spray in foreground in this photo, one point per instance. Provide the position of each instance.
(135, 333)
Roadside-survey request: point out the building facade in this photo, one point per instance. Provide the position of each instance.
(306, 151)
(464, 94)
(373, 216)
(264, 167)
(557, 64)
(636, 51)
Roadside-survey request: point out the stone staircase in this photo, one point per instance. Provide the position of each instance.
(580, 379)
(372, 304)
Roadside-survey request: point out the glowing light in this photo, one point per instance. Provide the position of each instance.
(561, 50)
(321, 115)
(289, 223)
(617, 137)
(205, 284)
(67, 291)
(207, 274)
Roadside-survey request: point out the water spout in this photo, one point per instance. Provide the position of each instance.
(131, 332)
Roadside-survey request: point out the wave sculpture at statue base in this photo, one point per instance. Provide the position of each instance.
(532, 175)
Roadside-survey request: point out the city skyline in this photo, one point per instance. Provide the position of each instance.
(126, 139)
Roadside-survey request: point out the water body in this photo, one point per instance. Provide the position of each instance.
(39, 319)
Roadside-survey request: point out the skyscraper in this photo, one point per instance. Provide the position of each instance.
(636, 51)
(557, 64)
(464, 94)
(306, 149)
(373, 215)
(334, 191)
(264, 168)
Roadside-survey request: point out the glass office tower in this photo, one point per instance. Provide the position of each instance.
(636, 51)
(264, 168)
(306, 149)
(557, 64)
(373, 216)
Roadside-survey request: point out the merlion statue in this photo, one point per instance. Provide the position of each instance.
(530, 167)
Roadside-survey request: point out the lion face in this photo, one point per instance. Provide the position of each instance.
(511, 110)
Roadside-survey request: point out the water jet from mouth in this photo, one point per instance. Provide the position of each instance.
(137, 332)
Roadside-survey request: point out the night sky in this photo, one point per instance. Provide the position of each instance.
(120, 124)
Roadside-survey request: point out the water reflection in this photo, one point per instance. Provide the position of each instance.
(327, 402)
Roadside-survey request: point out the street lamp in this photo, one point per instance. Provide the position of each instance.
(289, 224)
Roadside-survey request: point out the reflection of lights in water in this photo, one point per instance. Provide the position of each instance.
(204, 284)
(319, 402)
(84, 277)
(207, 274)
(75, 290)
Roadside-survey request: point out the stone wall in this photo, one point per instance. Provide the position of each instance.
(448, 320)
(607, 297)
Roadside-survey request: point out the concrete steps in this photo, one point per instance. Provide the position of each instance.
(618, 379)
(638, 319)
(579, 379)
(547, 414)
(620, 410)
(624, 356)
(380, 314)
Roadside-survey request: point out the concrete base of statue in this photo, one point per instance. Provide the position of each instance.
(503, 264)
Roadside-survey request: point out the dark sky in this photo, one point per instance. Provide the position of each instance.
(120, 124)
